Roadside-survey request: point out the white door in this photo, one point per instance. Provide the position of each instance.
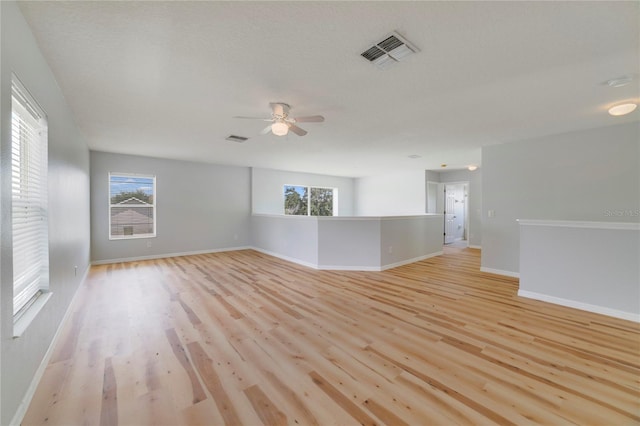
(454, 214)
(449, 215)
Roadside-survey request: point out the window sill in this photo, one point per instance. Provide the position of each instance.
(132, 237)
(20, 326)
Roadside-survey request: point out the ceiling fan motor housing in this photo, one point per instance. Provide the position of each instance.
(280, 110)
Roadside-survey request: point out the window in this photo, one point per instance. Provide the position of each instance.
(309, 201)
(30, 239)
(132, 206)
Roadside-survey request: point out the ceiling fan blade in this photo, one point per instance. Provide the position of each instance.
(310, 119)
(266, 130)
(297, 130)
(254, 118)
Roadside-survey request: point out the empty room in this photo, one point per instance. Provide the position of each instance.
(319, 213)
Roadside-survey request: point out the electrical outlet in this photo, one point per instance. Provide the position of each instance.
(149, 244)
(390, 249)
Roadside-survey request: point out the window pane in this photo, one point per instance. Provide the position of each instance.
(295, 200)
(131, 220)
(321, 202)
(131, 206)
(129, 189)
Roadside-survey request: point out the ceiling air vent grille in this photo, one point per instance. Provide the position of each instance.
(373, 53)
(236, 138)
(393, 48)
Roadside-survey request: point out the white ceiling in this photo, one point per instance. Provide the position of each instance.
(164, 79)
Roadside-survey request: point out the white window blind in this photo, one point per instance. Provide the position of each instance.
(29, 198)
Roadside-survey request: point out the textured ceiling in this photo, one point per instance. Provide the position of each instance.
(164, 79)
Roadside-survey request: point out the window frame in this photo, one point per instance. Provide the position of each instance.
(152, 205)
(334, 199)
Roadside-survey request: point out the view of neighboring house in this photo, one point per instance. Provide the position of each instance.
(131, 217)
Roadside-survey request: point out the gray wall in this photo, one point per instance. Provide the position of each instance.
(294, 238)
(475, 197)
(391, 194)
(68, 210)
(590, 175)
(267, 189)
(200, 207)
(586, 265)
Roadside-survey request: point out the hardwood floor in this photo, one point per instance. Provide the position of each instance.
(244, 338)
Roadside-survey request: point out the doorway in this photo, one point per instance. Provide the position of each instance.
(455, 197)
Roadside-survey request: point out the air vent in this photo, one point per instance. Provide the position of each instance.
(236, 138)
(373, 53)
(393, 48)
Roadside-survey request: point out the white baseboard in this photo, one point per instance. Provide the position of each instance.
(415, 259)
(31, 390)
(580, 305)
(163, 256)
(500, 272)
(287, 258)
(346, 267)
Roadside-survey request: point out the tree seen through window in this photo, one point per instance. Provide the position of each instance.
(308, 201)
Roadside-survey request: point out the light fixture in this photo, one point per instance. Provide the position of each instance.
(472, 168)
(279, 128)
(622, 109)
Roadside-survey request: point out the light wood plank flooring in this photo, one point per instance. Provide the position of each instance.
(244, 338)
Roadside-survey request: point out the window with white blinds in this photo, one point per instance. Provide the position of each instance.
(29, 198)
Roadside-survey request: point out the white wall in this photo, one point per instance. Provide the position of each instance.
(392, 194)
(68, 211)
(267, 189)
(590, 175)
(200, 207)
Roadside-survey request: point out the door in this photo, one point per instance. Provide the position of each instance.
(454, 215)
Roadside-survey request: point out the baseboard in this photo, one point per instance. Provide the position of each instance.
(349, 268)
(31, 390)
(346, 267)
(164, 256)
(500, 272)
(580, 305)
(415, 259)
(287, 258)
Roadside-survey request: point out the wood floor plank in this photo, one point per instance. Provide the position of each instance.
(245, 338)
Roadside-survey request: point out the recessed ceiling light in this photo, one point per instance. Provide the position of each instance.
(622, 109)
(472, 168)
(415, 156)
(443, 165)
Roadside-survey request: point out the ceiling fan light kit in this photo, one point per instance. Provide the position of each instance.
(279, 128)
(282, 122)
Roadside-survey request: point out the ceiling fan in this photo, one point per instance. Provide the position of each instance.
(281, 122)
